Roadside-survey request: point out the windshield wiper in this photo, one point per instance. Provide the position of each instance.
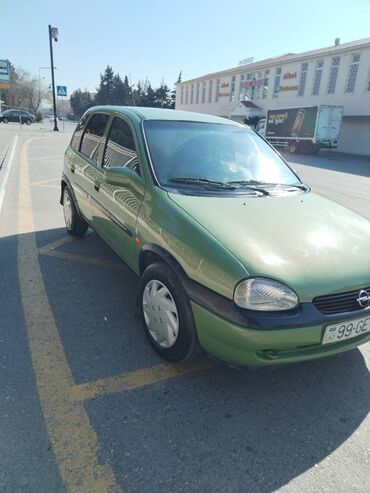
(202, 181)
(252, 185)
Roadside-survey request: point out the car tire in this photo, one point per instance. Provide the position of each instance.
(75, 225)
(5, 120)
(179, 343)
(28, 122)
(293, 148)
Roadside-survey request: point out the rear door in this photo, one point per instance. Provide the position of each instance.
(116, 208)
(85, 172)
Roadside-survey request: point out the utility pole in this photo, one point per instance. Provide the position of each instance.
(53, 34)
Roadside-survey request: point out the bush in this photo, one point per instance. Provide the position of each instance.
(38, 116)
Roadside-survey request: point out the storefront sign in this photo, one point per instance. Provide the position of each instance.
(290, 75)
(288, 88)
(223, 94)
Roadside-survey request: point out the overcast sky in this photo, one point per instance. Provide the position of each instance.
(158, 38)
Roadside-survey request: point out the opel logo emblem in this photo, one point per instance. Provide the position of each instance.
(363, 298)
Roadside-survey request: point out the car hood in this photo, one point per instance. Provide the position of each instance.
(311, 243)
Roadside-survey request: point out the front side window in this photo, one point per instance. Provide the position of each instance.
(216, 152)
(352, 74)
(120, 149)
(93, 136)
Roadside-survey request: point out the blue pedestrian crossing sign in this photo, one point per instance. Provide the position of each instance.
(61, 90)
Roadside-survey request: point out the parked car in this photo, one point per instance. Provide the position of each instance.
(235, 254)
(21, 116)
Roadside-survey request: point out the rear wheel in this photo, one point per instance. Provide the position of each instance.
(166, 314)
(75, 225)
(293, 147)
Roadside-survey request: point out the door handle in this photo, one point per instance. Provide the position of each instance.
(97, 185)
(73, 168)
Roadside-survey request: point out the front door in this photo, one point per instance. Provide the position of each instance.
(115, 208)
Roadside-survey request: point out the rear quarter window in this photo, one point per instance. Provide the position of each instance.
(78, 132)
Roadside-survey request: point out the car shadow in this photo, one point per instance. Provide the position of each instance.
(223, 429)
(333, 161)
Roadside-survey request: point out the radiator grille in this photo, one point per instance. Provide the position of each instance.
(340, 302)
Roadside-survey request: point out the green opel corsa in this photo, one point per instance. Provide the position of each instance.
(236, 256)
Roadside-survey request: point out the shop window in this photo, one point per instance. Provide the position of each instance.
(333, 74)
(210, 91)
(232, 91)
(197, 93)
(217, 89)
(317, 77)
(265, 87)
(203, 92)
(302, 79)
(277, 82)
(352, 74)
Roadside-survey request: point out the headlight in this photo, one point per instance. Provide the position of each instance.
(263, 294)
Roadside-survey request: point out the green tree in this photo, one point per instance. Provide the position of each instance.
(162, 96)
(105, 91)
(80, 102)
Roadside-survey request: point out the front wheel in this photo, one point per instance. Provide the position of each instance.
(5, 120)
(166, 314)
(28, 122)
(75, 225)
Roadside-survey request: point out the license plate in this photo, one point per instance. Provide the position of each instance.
(346, 330)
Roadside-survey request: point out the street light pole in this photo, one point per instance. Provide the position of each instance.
(53, 34)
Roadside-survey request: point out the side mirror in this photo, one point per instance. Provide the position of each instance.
(124, 177)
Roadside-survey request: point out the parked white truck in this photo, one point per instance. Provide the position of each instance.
(303, 129)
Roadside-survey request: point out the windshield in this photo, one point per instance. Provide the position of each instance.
(200, 152)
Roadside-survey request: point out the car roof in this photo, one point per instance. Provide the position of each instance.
(165, 114)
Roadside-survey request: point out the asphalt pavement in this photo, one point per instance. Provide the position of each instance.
(86, 404)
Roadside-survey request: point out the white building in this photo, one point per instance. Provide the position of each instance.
(337, 75)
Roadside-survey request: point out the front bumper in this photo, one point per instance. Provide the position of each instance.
(245, 346)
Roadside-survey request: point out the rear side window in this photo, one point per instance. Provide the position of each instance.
(77, 133)
(93, 136)
(121, 149)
